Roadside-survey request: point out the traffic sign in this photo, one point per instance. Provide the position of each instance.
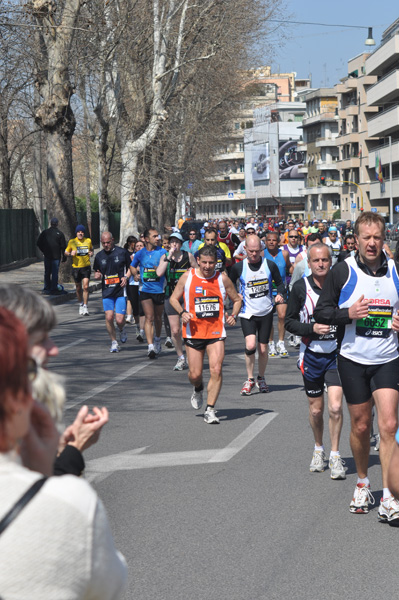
(396, 208)
(373, 209)
(353, 204)
(230, 195)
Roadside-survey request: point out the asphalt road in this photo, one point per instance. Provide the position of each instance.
(229, 511)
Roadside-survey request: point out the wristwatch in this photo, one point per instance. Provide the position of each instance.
(183, 311)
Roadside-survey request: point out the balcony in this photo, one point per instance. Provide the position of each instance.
(375, 190)
(327, 166)
(323, 189)
(348, 110)
(385, 90)
(303, 169)
(326, 142)
(384, 123)
(348, 138)
(384, 154)
(383, 56)
(352, 162)
(317, 118)
(229, 156)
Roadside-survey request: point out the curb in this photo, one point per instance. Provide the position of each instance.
(70, 295)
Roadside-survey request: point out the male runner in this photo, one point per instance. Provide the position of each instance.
(227, 237)
(203, 317)
(223, 253)
(256, 275)
(281, 258)
(349, 247)
(81, 249)
(152, 295)
(293, 248)
(318, 359)
(361, 295)
(334, 243)
(111, 266)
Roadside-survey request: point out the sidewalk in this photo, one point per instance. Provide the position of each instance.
(32, 276)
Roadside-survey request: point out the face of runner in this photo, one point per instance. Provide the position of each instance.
(272, 243)
(152, 239)
(253, 248)
(42, 347)
(139, 246)
(175, 245)
(107, 242)
(210, 239)
(332, 235)
(223, 229)
(319, 260)
(293, 239)
(206, 265)
(370, 242)
(80, 235)
(351, 244)
(166, 244)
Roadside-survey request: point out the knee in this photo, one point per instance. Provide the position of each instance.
(216, 370)
(263, 349)
(388, 427)
(315, 412)
(250, 349)
(120, 319)
(335, 410)
(85, 287)
(149, 318)
(175, 331)
(109, 318)
(361, 427)
(194, 376)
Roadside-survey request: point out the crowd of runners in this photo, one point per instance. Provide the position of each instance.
(334, 290)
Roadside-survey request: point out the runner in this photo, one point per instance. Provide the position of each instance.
(256, 275)
(293, 248)
(334, 243)
(193, 243)
(133, 292)
(318, 359)
(152, 294)
(81, 249)
(111, 266)
(301, 266)
(223, 253)
(203, 317)
(230, 239)
(281, 258)
(349, 247)
(361, 295)
(173, 265)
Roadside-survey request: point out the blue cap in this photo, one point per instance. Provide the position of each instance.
(332, 229)
(80, 228)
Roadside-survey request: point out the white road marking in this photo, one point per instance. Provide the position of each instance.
(75, 343)
(100, 468)
(105, 386)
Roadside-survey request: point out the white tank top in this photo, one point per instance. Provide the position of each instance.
(371, 340)
(324, 343)
(335, 248)
(256, 290)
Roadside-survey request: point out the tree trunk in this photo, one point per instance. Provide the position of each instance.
(87, 168)
(5, 162)
(128, 192)
(102, 181)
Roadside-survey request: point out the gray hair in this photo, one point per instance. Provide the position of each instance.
(320, 245)
(35, 312)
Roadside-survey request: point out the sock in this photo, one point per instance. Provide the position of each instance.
(386, 493)
(261, 376)
(332, 454)
(365, 480)
(319, 448)
(150, 346)
(182, 356)
(251, 379)
(85, 305)
(199, 388)
(210, 407)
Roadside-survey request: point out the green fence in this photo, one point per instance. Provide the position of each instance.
(114, 225)
(18, 234)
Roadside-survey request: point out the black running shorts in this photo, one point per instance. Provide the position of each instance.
(360, 381)
(157, 299)
(201, 344)
(81, 273)
(258, 325)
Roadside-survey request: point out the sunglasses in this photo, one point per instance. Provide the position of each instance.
(294, 237)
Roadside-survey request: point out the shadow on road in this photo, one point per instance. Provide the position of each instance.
(230, 414)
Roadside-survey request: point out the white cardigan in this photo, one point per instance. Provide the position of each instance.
(60, 546)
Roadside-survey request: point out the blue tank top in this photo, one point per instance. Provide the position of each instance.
(280, 262)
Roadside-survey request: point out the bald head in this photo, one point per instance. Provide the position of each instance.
(253, 248)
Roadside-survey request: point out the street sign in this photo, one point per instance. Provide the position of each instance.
(373, 209)
(353, 204)
(396, 208)
(230, 195)
(189, 186)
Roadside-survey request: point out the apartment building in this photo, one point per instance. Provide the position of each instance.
(383, 97)
(320, 132)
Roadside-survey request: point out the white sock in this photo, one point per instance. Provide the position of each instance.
(386, 493)
(365, 480)
(319, 448)
(182, 356)
(150, 346)
(332, 453)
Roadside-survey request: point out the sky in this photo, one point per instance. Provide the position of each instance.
(324, 52)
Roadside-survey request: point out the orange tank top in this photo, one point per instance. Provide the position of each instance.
(204, 299)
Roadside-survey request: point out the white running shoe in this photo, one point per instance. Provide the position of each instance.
(281, 349)
(210, 416)
(123, 336)
(157, 347)
(114, 346)
(168, 342)
(181, 364)
(140, 335)
(317, 464)
(297, 341)
(81, 310)
(388, 511)
(272, 349)
(291, 340)
(337, 468)
(85, 310)
(129, 318)
(362, 496)
(196, 399)
(151, 352)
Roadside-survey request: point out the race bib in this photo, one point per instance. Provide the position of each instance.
(150, 275)
(206, 308)
(258, 288)
(112, 280)
(175, 274)
(378, 322)
(82, 250)
(331, 335)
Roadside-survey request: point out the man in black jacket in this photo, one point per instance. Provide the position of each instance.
(52, 243)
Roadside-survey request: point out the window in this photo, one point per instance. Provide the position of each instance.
(241, 168)
(236, 126)
(242, 188)
(241, 147)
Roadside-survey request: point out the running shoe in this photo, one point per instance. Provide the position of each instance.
(281, 349)
(114, 346)
(123, 336)
(140, 335)
(81, 310)
(362, 496)
(85, 311)
(129, 318)
(317, 464)
(210, 416)
(196, 399)
(291, 340)
(157, 347)
(337, 468)
(297, 341)
(168, 342)
(388, 511)
(151, 352)
(181, 364)
(262, 385)
(247, 387)
(272, 349)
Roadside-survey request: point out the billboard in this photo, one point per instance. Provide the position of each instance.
(260, 162)
(290, 159)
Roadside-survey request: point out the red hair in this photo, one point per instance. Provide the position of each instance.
(13, 358)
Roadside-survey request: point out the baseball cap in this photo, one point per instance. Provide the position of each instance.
(332, 229)
(54, 221)
(206, 224)
(80, 228)
(249, 226)
(315, 220)
(177, 236)
(324, 221)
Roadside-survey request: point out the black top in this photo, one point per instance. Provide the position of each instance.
(296, 302)
(113, 266)
(52, 243)
(236, 272)
(69, 462)
(171, 276)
